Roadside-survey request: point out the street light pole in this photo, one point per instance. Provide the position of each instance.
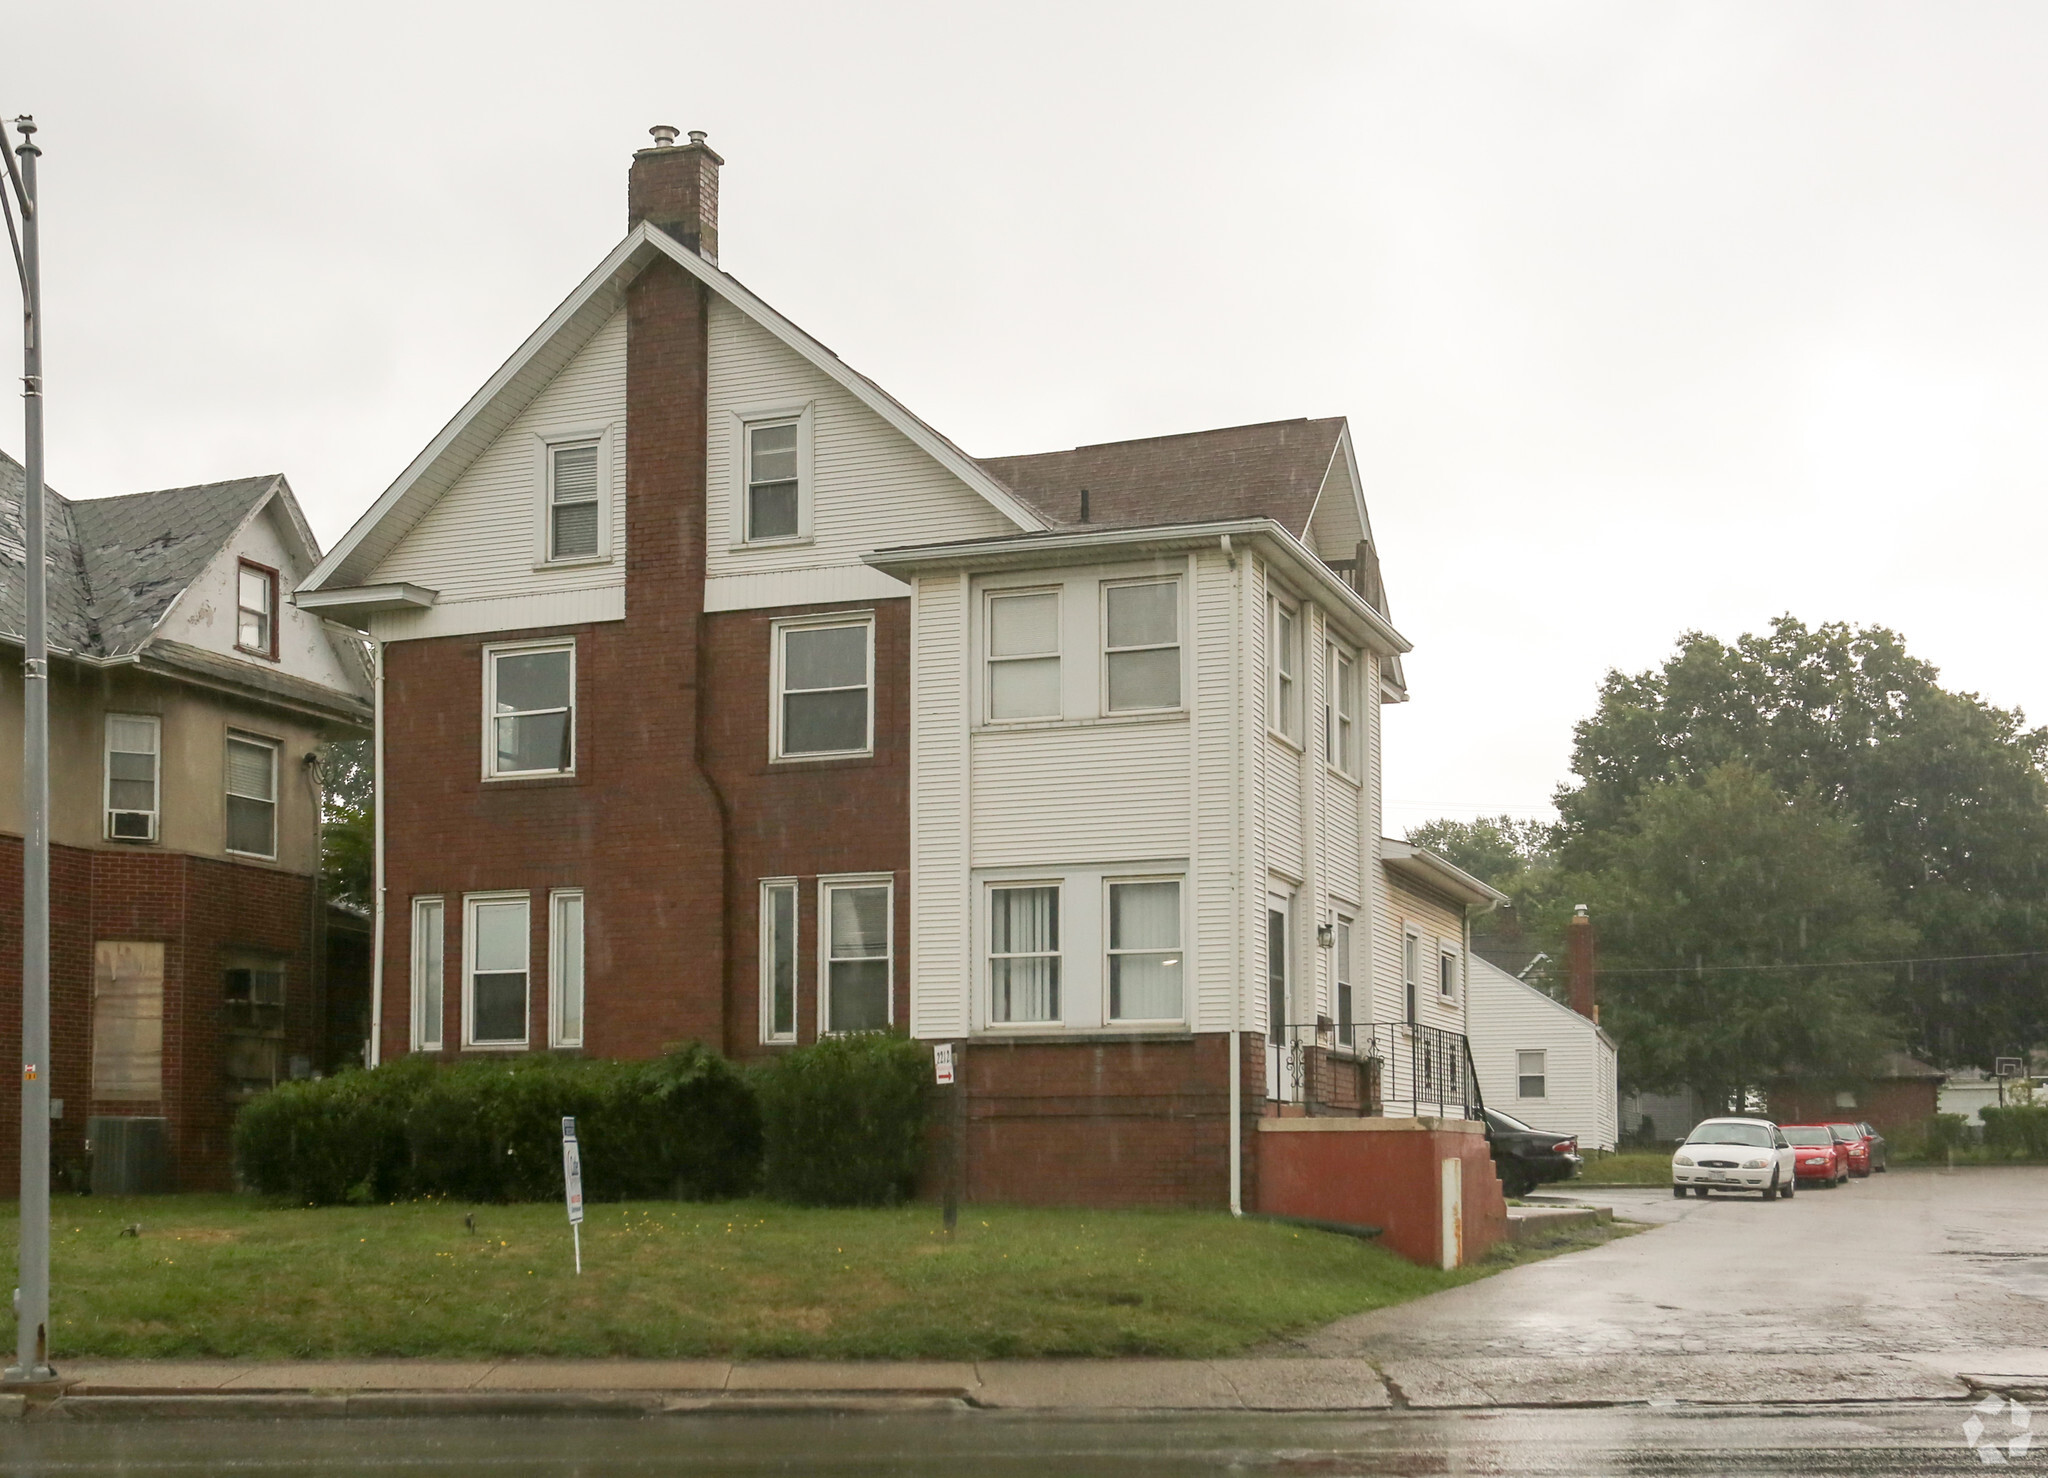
(32, 1297)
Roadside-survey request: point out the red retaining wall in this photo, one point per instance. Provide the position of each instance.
(1386, 1173)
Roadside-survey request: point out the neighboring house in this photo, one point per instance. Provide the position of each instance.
(721, 698)
(1541, 1061)
(1972, 1090)
(1904, 1093)
(188, 702)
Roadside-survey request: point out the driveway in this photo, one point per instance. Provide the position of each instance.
(1885, 1289)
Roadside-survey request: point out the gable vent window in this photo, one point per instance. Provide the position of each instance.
(134, 745)
(773, 504)
(252, 796)
(1024, 656)
(1142, 648)
(256, 614)
(532, 707)
(573, 501)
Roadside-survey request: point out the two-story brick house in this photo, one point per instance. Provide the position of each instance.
(720, 697)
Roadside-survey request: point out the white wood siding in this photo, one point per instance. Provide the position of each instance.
(1508, 1017)
(478, 541)
(941, 971)
(1218, 802)
(871, 487)
(1101, 793)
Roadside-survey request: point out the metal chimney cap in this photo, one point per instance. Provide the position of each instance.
(664, 135)
(696, 135)
(1579, 910)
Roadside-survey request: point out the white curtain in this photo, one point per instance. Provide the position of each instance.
(1024, 963)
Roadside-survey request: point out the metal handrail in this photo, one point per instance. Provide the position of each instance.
(1408, 1063)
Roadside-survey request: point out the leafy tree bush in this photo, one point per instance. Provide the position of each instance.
(843, 1120)
(2016, 1132)
(685, 1124)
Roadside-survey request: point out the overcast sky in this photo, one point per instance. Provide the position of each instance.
(1647, 316)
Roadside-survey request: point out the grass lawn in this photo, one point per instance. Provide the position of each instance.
(233, 1276)
(1628, 1167)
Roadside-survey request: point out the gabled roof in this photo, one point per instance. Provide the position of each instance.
(1271, 470)
(549, 348)
(1424, 866)
(1481, 965)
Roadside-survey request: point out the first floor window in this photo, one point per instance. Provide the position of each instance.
(573, 500)
(823, 686)
(134, 744)
(1142, 645)
(565, 968)
(429, 941)
(531, 698)
(252, 796)
(1529, 1075)
(857, 956)
(1345, 1020)
(1024, 953)
(255, 994)
(496, 977)
(1144, 951)
(778, 962)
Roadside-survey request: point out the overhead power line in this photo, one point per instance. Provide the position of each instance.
(2018, 954)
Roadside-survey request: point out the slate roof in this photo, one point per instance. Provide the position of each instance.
(116, 564)
(1271, 470)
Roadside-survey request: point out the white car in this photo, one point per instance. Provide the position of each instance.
(1735, 1155)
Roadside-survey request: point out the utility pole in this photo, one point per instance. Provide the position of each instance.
(32, 1297)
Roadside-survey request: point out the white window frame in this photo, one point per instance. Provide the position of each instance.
(1340, 729)
(156, 776)
(273, 595)
(1411, 972)
(428, 1030)
(276, 747)
(827, 886)
(739, 424)
(544, 444)
(1283, 717)
(770, 887)
(1109, 951)
(1447, 970)
(1541, 1075)
(989, 888)
(777, 634)
(1178, 645)
(1343, 973)
(990, 661)
(469, 911)
(492, 652)
(558, 944)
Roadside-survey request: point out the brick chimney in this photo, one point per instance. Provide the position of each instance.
(1578, 949)
(675, 187)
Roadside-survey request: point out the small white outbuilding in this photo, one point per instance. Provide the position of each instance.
(1539, 1060)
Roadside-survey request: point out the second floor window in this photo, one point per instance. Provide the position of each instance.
(1342, 724)
(252, 796)
(1024, 655)
(530, 696)
(256, 613)
(573, 502)
(134, 742)
(1286, 717)
(773, 503)
(1141, 645)
(823, 687)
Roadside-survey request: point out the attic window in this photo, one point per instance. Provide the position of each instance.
(256, 609)
(573, 501)
(772, 484)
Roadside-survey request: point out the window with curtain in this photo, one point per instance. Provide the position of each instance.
(773, 494)
(824, 678)
(857, 954)
(1024, 953)
(252, 796)
(1530, 1075)
(532, 703)
(134, 744)
(497, 974)
(1144, 952)
(429, 942)
(1342, 725)
(1024, 655)
(565, 968)
(778, 962)
(1286, 719)
(1141, 627)
(573, 502)
(256, 613)
(1345, 1019)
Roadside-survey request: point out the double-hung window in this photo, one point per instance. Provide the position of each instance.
(1024, 953)
(1144, 951)
(1024, 655)
(824, 686)
(1530, 1075)
(1346, 1021)
(1411, 971)
(252, 795)
(1286, 661)
(575, 500)
(530, 707)
(1447, 974)
(1341, 724)
(855, 929)
(495, 970)
(774, 503)
(256, 609)
(565, 967)
(778, 960)
(429, 943)
(1141, 645)
(134, 748)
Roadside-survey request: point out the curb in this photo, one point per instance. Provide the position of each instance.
(312, 1405)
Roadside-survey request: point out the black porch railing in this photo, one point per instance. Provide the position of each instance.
(1373, 1069)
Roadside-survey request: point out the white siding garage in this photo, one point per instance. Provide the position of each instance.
(1539, 1060)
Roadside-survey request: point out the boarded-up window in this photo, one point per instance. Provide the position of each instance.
(128, 1022)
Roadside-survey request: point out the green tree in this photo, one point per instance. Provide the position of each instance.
(1494, 849)
(347, 821)
(1703, 882)
(1948, 797)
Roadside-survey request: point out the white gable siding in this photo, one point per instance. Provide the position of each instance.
(478, 542)
(941, 966)
(205, 612)
(1507, 1017)
(871, 486)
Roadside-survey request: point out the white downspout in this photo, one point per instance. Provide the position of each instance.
(376, 1053)
(1236, 880)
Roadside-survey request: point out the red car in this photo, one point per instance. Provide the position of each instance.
(1859, 1147)
(1819, 1154)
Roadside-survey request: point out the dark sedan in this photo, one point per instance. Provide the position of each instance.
(1525, 1158)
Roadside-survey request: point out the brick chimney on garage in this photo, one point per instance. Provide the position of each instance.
(675, 187)
(1578, 950)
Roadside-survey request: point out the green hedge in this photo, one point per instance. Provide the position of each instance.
(2016, 1132)
(685, 1125)
(843, 1120)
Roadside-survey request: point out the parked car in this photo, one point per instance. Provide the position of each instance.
(1735, 1155)
(1525, 1158)
(1859, 1148)
(1820, 1153)
(1880, 1152)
